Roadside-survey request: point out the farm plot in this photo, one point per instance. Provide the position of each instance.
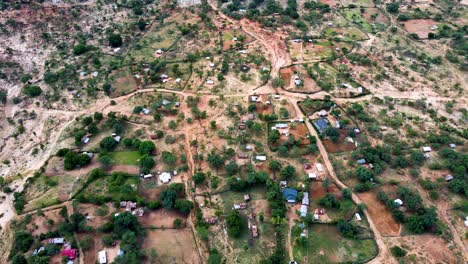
(40, 224)
(296, 79)
(359, 3)
(172, 246)
(160, 219)
(296, 129)
(327, 245)
(330, 79)
(331, 3)
(44, 191)
(122, 82)
(126, 157)
(232, 38)
(317, 50)
(376, 18)
(382, 217)
(346, 33)
(421, 27)
(96, 215)
(355, 16)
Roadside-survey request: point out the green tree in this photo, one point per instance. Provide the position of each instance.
(147, 147)
(168, 198)
(184, 206)
(3, 96)
(215, 160)
(215, 257)
(198, 177)
(108, 143)
(234, 224)
(146, 164)
(32, 90)
(115, 40)
(232, 168)
(274, 136)
(393, 7)
(287, 172)
(168, 158)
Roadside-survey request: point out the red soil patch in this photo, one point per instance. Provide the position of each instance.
(341, 145)
(316, 190)
(421, 27)
(160, 218)
(382, 217)
(286, 74)
(152, 193)
(172, 246)
(39, 224)
(331, 3)
(131, 169)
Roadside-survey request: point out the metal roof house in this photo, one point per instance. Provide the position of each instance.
(102, 257)
(290, 195)
(361, 161)
(321, 124)
(303, 210)
(305, 199)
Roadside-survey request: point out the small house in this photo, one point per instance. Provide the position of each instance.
(361, 161)
(283, 184)
(178, 80)
(427, 156)
(117, 138)
(212, 65)
(358, 217)
(399, 202)
(254, 98)
(290, 195)
(316, 217)
(210, 82)
(69, 253)
(240, 206)
(159, 51)
(357, 130)
(254, 230)
(303, 211)
(116, 50)
(451, 145)
(242, 126)
(212, 220)
(249, 147)
(276, 96)
(426, 149)
(251, 116)
(312, 176)
(86, 140)
(319, 167)
(123, 204)
(102, 257)
(307, 166)
(383, 128)
(448, 178)
(322, 113)
(297, 81)
(165, 177)
(281, 126)
(246, 197)
(146, 111)
(321, 124)
(305, 199)
(260, 158)
(297, 40)
(164, 76)
(147, 176)
(242, 155)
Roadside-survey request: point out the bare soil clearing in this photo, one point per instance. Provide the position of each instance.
(172, 246)
(382, 216)
(421, 27)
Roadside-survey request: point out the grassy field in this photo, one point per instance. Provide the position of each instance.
(126, 157)
(348, 33)
(230, 197)
(359, 3)
(355, 16)
(326, 245)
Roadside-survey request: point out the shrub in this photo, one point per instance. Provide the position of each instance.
(32, 90)
(398, 252)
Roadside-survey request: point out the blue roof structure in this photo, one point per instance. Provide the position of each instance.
(321, 124)
(290, 195)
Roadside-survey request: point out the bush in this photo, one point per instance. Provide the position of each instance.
(32, 90)
(234, 224)
(108, 143)
(398, 252)
(178, 223)
(22, 241)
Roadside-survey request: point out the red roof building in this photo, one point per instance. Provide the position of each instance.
(70, 253)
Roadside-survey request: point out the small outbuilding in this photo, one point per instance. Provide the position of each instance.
(102, 257)
(448, 177)
(398, 201)
(426, 149)
(303, 210)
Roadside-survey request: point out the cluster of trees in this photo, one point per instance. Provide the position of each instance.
(457, 163)
(235, 224)
(252, 178)
(73, 159)
(172, 198)
(421, 219)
